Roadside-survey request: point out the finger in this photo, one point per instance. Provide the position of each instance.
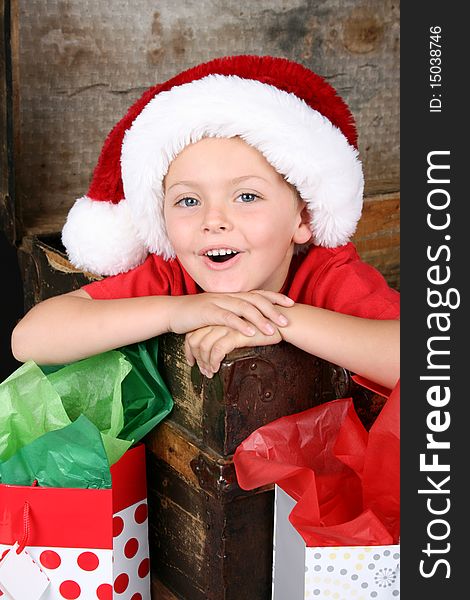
(190, 358)
(200, 342)
(229, 318)
(194, 346)
(220, 349)
(242, 316)
(258, 304)
(206, 346)
(275, 297)
(192, 343)
(206, 372)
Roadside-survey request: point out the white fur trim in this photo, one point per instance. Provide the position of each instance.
(299, 142)
(100, 237)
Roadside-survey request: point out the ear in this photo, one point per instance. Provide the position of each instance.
(303, 233)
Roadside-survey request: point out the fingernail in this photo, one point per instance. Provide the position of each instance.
(269, 329)
(282, 320)
(250, 331)
(290, 300)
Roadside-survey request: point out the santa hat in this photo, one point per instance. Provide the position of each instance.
(281, 108)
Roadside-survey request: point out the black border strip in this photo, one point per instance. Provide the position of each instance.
(434, 568)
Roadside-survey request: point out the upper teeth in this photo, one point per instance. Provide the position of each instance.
(220, 252)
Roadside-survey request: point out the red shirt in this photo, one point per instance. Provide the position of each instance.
(332, 278)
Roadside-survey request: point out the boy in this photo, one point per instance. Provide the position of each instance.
(221, 207)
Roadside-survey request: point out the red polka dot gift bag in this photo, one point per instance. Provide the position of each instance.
(73, 494)
(71, 543)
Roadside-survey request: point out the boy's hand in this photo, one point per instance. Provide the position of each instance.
(209, 345)
(245, 312)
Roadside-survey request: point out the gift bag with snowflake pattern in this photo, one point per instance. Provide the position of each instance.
(337, 500)
(334, 572)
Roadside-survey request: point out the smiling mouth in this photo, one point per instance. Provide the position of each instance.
(221, 255)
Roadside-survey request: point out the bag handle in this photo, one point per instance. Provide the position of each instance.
(26, 528)
(26, 524)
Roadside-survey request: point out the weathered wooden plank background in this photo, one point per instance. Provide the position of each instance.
(76, 67)
(79, 64)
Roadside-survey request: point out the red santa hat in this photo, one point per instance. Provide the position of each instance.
(281, 108)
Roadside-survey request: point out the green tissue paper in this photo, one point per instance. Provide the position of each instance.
(29, 407)
(71, 457)
(54, 419)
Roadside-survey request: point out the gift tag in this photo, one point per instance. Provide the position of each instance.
(21, 577)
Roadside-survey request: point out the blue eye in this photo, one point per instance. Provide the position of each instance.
(248, 197)
(189, 202)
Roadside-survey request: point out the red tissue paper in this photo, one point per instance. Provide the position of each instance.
(346, 481)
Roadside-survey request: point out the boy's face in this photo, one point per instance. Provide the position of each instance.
(231, 218)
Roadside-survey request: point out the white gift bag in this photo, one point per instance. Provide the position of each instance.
(336, 573)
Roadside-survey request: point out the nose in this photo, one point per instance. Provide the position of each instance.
(216, 219)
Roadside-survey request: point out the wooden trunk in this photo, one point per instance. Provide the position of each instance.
(206, 532)
(65, 81)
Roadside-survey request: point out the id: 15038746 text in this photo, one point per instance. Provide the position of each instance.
(435, 68)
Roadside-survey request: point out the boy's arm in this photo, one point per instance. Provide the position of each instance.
(74, 326)
(367, 347)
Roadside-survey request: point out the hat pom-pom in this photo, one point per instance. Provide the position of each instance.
(103, 230)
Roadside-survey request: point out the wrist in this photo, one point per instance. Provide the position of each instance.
(290, 312)
(175, 307)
